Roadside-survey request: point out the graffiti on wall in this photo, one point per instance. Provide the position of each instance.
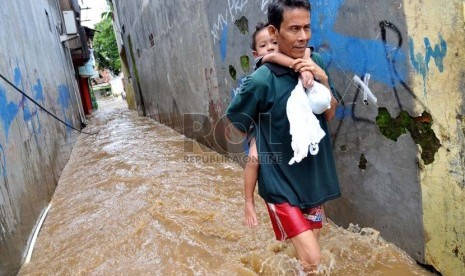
(391, 51)
(30, 115)
(63, 101)
(11, 109)
(219, 28)
(348, 53)
(421, 62)
(233, 8)
(383, 58)
(8, 111)
(343, 52)
(418, 127)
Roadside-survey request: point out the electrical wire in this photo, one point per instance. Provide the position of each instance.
(43, 108)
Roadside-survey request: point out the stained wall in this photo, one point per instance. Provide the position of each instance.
(34, 147)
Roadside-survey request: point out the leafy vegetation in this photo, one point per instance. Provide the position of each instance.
(105, 47)
(418, 127)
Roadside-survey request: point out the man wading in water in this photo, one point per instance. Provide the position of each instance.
(293, 193)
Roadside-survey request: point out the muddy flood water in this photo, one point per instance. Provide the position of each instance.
(129, 202)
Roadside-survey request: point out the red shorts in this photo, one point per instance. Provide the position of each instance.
(288, 221)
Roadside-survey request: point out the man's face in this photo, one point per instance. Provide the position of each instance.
(294, 32)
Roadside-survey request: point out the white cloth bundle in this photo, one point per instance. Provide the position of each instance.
(319, 97)
(304, 126)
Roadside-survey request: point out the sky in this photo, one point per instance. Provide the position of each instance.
(97, 7)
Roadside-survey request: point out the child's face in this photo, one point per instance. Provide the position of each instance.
(265, 43)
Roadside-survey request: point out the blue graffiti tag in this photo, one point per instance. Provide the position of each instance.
(63, 97)
(438, 53)
(17, 76)
(8, 111)
(28, 115)
(63, 100)
(343, 111)
(38, 96)
(358, 55)
(224, 42)
(421, 63)
(39, 91)
(3, 162)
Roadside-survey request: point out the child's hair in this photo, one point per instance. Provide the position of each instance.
(260, 26)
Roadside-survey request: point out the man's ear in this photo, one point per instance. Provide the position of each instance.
(273, 31)
(255, 54)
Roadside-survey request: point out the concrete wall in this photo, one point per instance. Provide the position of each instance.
(128, 88)
(400, 161)
(34, 147)
(436, 45)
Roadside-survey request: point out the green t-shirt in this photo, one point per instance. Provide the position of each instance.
(262, 101)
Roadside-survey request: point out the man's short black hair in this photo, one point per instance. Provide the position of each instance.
(260, 26)
(276, 9)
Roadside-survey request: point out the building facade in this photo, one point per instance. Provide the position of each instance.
(39, 56)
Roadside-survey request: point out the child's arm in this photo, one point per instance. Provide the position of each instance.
(284, 60)
(307, 76)
(281, 59)
(278, 58)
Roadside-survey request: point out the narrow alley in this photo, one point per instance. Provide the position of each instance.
(119, 156)
(129, 202)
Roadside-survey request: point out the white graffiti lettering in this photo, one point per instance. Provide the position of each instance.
(264, 6)
(236, 6)
(236, 90)
(217, 27)
(233, 8)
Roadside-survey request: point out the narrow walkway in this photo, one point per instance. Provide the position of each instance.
(132, 201)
